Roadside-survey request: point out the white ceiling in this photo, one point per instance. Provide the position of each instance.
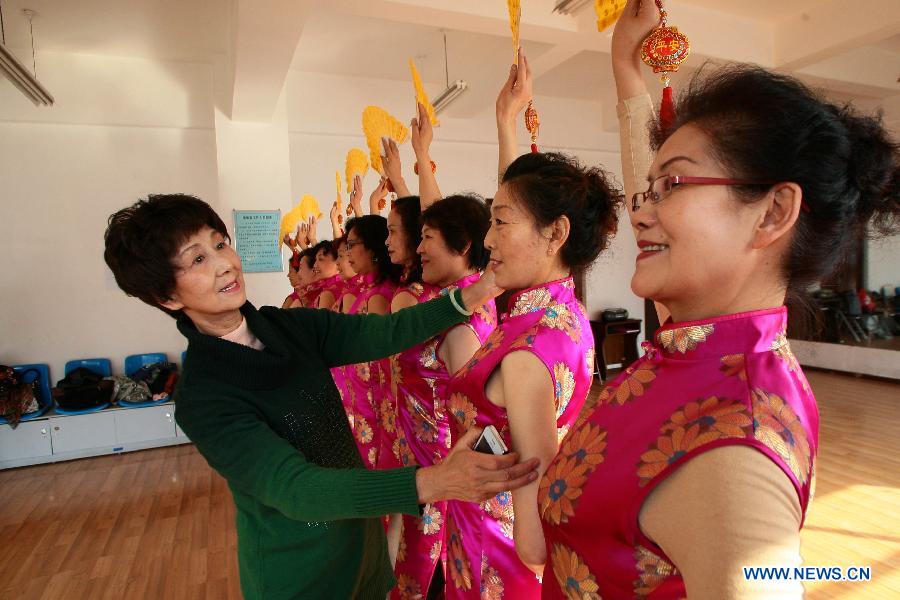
(375, 38)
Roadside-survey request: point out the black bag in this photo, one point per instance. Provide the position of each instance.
(611, 315)
(82, 389)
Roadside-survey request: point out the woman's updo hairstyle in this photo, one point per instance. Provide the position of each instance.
(409, 209)
(372, 232)
(770, 127)
(551, 185)
(307, 257)
(463, 220)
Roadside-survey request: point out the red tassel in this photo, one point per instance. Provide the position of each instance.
(534, 148)
(667, 109)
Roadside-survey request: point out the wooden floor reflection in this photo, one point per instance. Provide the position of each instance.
(160, 523)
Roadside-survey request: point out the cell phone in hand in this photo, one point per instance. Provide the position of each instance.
(490, 442)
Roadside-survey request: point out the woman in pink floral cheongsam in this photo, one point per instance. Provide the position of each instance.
(699, 459)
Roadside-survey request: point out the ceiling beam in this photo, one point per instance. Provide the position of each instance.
(264, 37)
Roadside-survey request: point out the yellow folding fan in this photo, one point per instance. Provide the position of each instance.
(515, 15)
(421, 96)
(608, 12)
(306, 208)
(357, 164)
(378, 123)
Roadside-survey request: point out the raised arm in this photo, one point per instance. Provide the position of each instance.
(377, 195)
(512, 100)
(635, 109)
(422, 135)
(393, 168)
(336, 229)
(356, 197)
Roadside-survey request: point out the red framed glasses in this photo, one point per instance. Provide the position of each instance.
(662, 186)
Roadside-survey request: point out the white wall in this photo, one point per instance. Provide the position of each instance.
(884, 263)
(121, 129)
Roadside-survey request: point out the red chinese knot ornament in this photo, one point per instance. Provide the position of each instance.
(664, 50)
(532, 124)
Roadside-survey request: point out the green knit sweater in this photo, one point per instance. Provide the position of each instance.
(272, 424)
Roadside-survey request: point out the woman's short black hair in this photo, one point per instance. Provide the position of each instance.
(771, 127)
(551, 185)
(372, 231)
(463, 220)
(410, 210)
(142, 241)
(328, 246)
(307, 256)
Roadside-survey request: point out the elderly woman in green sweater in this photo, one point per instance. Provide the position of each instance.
(257, 399)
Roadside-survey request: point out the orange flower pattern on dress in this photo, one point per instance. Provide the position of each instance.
(431, 520)
(525, 339)
(782, 349)
(402, 452)
(489, 345)
(777, 426)
(491, 583)
(668, 449)
(428, 358)
(532, 301)
(590, 357)
(462, 410)
(363, 371)
(562, 318)
(733, 364)
(435, 551)
(572, 575)
(500, 507)
(652, 571)
(424, 427)
(408, 588)
(635, 384)
(684, 339)
(726, 417)
(458, 565)
(561, 485)
(373, 456)
(564, 387)
(388, 416)
(363, 430)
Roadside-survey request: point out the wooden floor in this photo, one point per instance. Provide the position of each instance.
(160, 524)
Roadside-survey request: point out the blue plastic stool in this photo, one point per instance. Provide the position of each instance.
(45, 400)
(135, 362)
(101, 366)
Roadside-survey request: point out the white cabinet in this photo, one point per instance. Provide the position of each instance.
(31, 439)
(145, 424)
(81, 432)
(66, 437)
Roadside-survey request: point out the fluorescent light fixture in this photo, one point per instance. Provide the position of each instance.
(23, 79)
(568, 7)
(446, 97)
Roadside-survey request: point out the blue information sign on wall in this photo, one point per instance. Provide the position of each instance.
(256, 239)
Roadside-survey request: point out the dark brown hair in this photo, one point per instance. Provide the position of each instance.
(142, 240)
(551, 185)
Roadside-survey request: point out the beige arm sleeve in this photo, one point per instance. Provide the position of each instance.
(635, 114)
(725, 509)
(634, 142)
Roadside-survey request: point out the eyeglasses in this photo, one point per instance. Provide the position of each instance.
(662, 186)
